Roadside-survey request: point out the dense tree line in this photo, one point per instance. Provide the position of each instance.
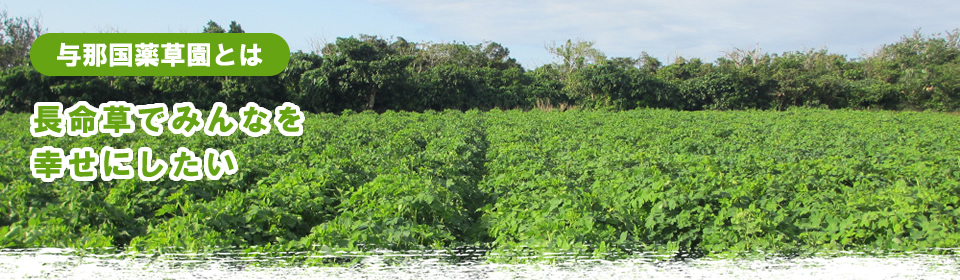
(919, 72)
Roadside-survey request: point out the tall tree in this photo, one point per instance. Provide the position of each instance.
(16, 36)
(648, 63)
(235, 27)
(213, 27)
(574, 55)
(355, 73)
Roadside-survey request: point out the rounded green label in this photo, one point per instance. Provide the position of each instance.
(159, 54)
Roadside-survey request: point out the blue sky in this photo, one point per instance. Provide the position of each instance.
(664, 29)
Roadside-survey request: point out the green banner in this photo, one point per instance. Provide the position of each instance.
(159, 54)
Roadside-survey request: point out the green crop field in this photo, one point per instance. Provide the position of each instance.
(588, 181)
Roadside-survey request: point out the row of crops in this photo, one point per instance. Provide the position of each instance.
(598, 182)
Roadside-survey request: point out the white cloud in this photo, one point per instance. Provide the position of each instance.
(692, 28)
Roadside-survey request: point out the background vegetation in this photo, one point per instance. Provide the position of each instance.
(920, 72)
